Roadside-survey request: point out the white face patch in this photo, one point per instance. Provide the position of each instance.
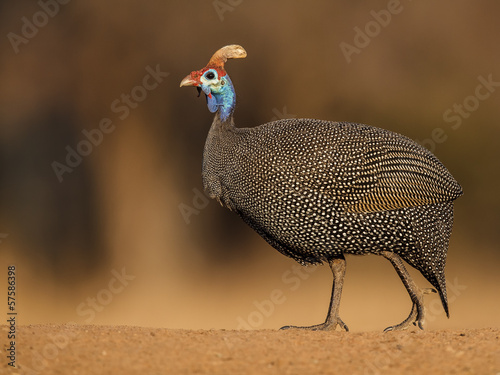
(211, 79)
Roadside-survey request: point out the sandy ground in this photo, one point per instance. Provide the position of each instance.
(72, 349)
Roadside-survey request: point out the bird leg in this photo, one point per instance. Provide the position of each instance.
(417, 314)
(332, 319)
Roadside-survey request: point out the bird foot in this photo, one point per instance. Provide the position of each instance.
(416, 316)
(329, 325)
(405, 324)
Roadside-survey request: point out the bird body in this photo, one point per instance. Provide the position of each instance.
(316, 190)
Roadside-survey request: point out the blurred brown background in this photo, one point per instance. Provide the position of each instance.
(120, 209)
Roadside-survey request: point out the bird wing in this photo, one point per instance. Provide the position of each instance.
(388, 171)
(357, 168)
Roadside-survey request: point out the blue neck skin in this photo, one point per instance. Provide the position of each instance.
(221, 98)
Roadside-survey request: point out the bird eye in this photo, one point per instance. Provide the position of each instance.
(210, 75)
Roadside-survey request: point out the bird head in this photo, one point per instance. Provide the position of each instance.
(215, 82)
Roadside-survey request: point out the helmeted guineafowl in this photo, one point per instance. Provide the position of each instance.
(317, 190)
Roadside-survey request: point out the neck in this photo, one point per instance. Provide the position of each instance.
(220, 141)
(223, 102)
(227, 108)
(222, 125)
(220, 136)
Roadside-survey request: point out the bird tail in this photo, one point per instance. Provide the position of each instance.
(440, 284)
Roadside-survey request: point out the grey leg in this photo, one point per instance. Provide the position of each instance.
(332, 319)
(417, 314)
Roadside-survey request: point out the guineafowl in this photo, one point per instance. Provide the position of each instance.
(318, 190)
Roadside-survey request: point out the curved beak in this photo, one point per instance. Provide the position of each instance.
(188, 81)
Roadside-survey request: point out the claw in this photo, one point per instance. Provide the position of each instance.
(326, 326)
(416, 316)
(428, 290)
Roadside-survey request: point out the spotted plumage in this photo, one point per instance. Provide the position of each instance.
(316, 190)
